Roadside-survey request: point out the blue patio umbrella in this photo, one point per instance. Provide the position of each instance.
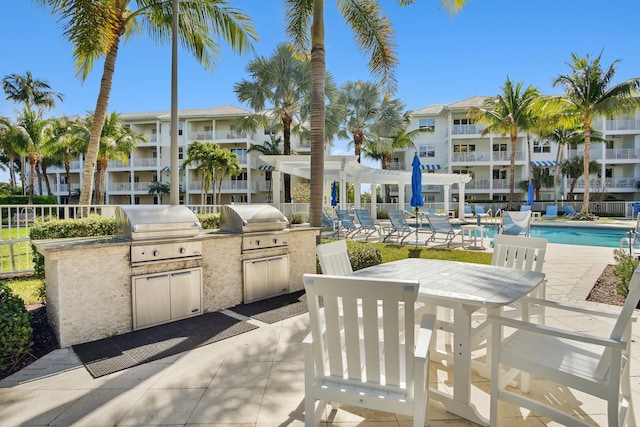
(530, 194)
(416, 188)
(334, 194)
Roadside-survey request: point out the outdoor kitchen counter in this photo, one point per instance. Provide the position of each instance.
(89, 280)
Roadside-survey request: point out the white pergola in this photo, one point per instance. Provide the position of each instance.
(345, 169)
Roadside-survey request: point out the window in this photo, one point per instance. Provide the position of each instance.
(541, 147)
(179, 128)
(499, 174)
(267, 175)
(136, 200)
(428, 151)
(608, 172)
(500, 147)
(464, 148)
(427, 124)
(463, 122)
(241, 177)
(238, 198)
(181, 153)
(63, 179)
(136, 178)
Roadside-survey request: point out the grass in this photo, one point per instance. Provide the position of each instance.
(27, 288)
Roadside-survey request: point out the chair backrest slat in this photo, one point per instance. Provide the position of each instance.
(364, 218)
(524, 253)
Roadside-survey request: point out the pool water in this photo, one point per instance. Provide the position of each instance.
(586, 236)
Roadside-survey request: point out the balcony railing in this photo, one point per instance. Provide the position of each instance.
(227, 185)
(595, 153)
(505, 156)
(500, 184)
(467, 129)
(398, 166)
(145, 162)
(201, 136)
(595, 184)
(475, 156)
(620, 124)
(222, 134)
(622, 153)
(478, 184)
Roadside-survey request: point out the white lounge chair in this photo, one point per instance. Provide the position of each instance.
(515, 223)
(440, 225)
(633, 240)
(400, 228)
(576, 360)
(358, 356)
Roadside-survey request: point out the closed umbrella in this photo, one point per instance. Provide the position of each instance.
(530, 194)
(416, 188)
(334, 194)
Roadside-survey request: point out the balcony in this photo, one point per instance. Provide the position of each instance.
(596, 154)
(229, 134)
(467, 129)
(505, 156)
(227, 186)
(475, 156)
(398, 166)
(478, 184)
(622, 183)
(201, 136)
(622, 154)
(500, 184)
(619, 124)
(145, 162)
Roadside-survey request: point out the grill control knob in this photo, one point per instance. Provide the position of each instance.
(182, 250)
(155, 252)
(257, 242)
(275, 241)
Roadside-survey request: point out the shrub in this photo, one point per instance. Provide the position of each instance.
(209, 221)
(15, 329)
(297, 218)
(626, 264)
(361, 254)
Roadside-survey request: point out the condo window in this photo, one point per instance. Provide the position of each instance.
(541, 147)
(427, 124)
(427, 151)
(464, 148)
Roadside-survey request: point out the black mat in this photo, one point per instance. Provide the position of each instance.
(124, 351)
(274, 309)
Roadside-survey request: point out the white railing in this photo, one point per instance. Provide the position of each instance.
(145, 162)
(475, 156)
(622, 153)
(506, 156)
(621, 124)
(467, 129)
(595, 153)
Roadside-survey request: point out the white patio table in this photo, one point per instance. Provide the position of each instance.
(464, 288)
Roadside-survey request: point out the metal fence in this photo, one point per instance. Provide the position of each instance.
(17, 254)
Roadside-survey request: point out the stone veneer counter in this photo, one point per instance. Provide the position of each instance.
(88, 280)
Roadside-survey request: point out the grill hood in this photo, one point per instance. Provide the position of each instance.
(251, 218)
(141, 222)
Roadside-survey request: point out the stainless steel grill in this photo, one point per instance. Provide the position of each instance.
(159, 233)
(265, 248)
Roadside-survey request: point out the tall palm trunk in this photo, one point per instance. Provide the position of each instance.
(98, 122)
(47, 183)
(33, 166)
(318, 68)
(357, 142)
(556, 176)
(12, 171)
(286, 122)
(512, 172)
(67, 170)
(23, 177)
(587, 160)
(101, 173)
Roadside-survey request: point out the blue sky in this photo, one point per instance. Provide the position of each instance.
(443, 59)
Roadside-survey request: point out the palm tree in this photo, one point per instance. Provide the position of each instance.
(33, 132)
(588, 94)
(373, 33)
(508, 113)
(27, 90)
(369, 119)
(574, 168)
(67, 143)
(226, 164)
(203, 154)
(96, 30)
(117, 142)
(159, 188)
(279, 87)
(539, 178)
(8, 144)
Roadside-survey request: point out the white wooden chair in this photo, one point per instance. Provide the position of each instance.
(333, 258)
(594, 365)
(353, 359)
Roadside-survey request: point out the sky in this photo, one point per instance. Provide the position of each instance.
(442, 58)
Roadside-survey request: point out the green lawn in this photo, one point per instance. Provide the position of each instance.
(26, 288)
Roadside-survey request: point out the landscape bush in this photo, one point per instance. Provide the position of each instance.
(209, 221)
(15, 329)
(626, 264)
(361, 255)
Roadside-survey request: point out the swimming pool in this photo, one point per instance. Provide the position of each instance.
(586, 236)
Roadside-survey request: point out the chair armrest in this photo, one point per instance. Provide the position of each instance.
(547, 330)
(308, 339)
(424, 336)
(574, 308)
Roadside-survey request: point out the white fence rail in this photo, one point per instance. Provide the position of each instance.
(16, 253)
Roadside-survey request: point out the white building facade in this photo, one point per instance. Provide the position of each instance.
(456, 146)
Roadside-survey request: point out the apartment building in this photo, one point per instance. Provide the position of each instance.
(456, 145)
(128, 181)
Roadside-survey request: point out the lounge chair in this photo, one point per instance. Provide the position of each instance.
(440, 225)
(633, 240)
(552, 212)
(367, 226)
(330, 224)
(481, 213)
(346, 223)
(468, 213)
(569, 212)
(400, 228)
(525, 208)
(515, 223)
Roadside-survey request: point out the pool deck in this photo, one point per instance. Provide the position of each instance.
(257, 378)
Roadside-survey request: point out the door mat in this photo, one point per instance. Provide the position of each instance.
(274, 309)
(124, 351)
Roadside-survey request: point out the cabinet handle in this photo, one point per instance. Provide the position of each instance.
(182, 273)
(157, 277)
